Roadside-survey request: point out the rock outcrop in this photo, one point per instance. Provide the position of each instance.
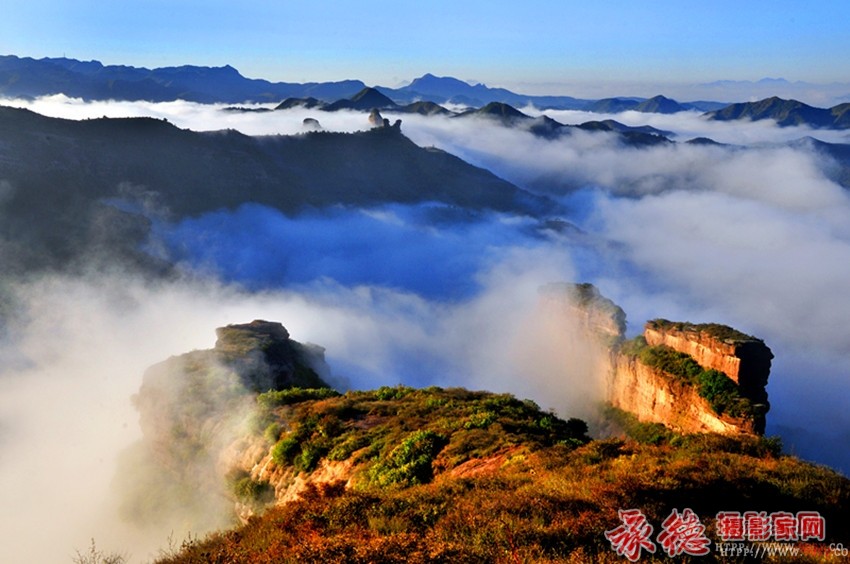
(595, 313)
(690, 378)
(743, 358)
(193, 407)
(311, 124)
(655, 396)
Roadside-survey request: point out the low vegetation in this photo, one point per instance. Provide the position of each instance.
(716, 330)
(399, 433)
(451, 475)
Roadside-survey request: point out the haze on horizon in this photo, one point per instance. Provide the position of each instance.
(541, 47)
(769, 222)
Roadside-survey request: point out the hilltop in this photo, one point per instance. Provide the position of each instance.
(786, 113)
(400, 474)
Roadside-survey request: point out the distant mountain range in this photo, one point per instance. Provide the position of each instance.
(23, 77)
(91, 80)
(656, 105)
(370, 99)
(61, 179)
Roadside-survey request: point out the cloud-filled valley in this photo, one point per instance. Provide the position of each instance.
(754, 234)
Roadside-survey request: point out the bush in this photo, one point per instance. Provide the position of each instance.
(671, 361)
(272, 433)
(642, 432)
(719, 390)
(290, 396)
(285, 451)
(410, 462)
(385, 393)
(250, 491)
(311, 453)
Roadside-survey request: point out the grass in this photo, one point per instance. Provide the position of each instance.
(399, 433)
(553, 505)
(716, 330)
(452, 475)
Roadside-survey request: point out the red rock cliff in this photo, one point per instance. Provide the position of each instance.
(654, 396)
(678, 401)
(745, 359)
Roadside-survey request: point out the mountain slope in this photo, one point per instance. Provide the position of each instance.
(446, 89)
(62, 174)
(785, 113)
(660, 105)
(553, 505)
(405, 475)
(613, 105)
(365, 100)
(400, 474)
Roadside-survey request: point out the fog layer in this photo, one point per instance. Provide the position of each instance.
(756, 237)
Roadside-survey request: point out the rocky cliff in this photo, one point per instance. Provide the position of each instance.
(691, 378)
(583, 303)
(657, 396)
(193, 407)
(743, 358)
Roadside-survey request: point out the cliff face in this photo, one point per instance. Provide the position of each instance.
(193, 407)
(596, 314)
(655, 396)
(744, 359)
(691, 378)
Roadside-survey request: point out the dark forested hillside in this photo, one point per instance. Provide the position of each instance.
(60, 175)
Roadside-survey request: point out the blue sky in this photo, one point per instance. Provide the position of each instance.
(539, 46)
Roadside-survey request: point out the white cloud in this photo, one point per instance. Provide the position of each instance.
(757, 238)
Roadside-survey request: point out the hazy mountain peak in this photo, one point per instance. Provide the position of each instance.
(784, 112)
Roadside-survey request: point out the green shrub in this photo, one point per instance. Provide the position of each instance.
(311, 453)
(719, 390)
(290, 396)
(642, 432)
(410, 462)
(251, 491)
(344, 449)
(672, 362)
(633, 347)
(285, 451)
(385, 393)
(272, 433)
(480, 420)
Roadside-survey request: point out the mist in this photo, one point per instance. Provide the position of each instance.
(756, 236)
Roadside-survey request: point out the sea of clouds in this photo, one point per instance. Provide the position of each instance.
(754, 234)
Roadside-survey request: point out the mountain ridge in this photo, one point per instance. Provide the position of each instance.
(63, 176)
(27, 77)
(785, 113)
(400, 474)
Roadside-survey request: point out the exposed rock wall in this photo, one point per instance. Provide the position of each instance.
(745, 359)
(252, 454)
(595, 313)
(194, 406)
(654, 396)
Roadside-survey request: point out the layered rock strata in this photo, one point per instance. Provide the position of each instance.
(743, 358)
(698, 401)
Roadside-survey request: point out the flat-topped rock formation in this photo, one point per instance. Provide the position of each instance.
(743, 358)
